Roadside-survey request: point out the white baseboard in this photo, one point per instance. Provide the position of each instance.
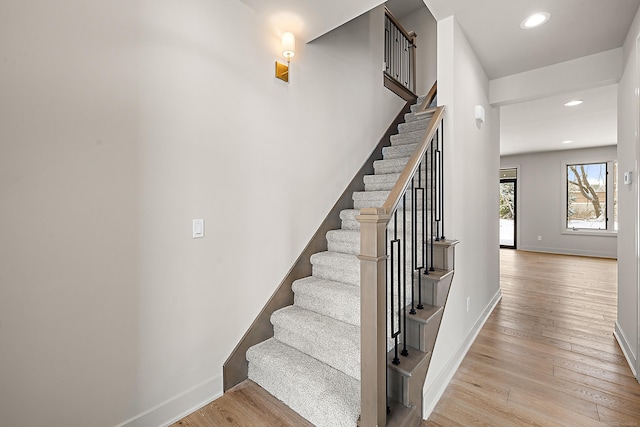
(183, 404)
(433, 393)
(562, 251)
(626, 349)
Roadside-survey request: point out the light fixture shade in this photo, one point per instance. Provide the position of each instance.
(535, 20)
(288, 45)
(573, 103)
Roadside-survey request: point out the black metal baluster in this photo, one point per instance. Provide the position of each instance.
(441, 130)
(437, 186)
(414, 242)
(422, 221)
(431, 214)
(403, 303)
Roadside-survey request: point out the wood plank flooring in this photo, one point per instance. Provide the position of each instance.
(545, 357)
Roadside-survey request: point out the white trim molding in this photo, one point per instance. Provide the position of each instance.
(183, 404)
(626, 350)
(434, 392)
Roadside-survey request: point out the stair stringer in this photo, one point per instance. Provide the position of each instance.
(406, 385)
(235, 368)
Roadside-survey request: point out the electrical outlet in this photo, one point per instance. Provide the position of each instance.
(468, 303)
(539, 237)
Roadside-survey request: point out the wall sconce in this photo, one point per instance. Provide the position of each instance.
(479, 113)
(288, 50)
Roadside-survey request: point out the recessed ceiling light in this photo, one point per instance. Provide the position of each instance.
(573, 103)
(535, 20)
(567, 141)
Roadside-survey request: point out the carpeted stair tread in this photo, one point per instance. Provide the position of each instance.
(369, 199)
(390, 166)
(412, 117)
(381, 182)
(375, 199)
(321, 394)
(344, 241)
(336, 299)
(349, 221)
(399, 151)
(415, 107)
(407, 137)
(421, 123)
(335, 266)
(326, 339)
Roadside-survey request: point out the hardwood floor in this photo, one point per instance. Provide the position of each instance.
(247, 405)
(546, 356)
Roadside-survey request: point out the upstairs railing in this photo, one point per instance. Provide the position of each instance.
(397, 247)
(399, 54)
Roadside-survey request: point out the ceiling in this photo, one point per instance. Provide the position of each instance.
(543, 124)
(309, 19)
(577, 28)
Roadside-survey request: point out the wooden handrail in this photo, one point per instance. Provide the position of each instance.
(412, 165)
(429, 98)
(409, 35)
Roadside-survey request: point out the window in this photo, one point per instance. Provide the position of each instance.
(591, 197)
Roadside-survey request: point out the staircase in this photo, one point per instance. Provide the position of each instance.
(313, 361)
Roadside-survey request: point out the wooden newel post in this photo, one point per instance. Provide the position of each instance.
(373, 313)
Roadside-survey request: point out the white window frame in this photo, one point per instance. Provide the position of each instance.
(610, 231)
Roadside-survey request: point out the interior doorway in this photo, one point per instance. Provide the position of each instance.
(508, 208)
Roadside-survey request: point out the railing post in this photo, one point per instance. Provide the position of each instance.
(412, 60)
(373, 341)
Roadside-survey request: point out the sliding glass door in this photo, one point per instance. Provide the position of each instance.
(508, 213)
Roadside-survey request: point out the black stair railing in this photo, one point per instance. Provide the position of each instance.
(409, 222)
(399, 53)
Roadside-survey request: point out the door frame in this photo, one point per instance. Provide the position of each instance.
(516, 189)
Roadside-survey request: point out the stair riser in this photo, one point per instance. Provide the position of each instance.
(435, 293)
(396, 166)
(372, 202)
(412, 117)
(407, 138)
(387, 187)
(402, 389)
(323, 396)
(398, 151)
(325, 306)
(353, 224)
(338, 353)
(416, 125)
(329, 272)
(416, 107)
(350, 242)
(423, 336)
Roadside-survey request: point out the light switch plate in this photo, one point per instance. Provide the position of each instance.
(198, 228)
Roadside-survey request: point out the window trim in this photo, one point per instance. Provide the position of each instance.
(610, 231)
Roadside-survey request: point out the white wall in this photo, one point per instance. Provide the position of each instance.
(425, 26)
(541, 199)
(120, 122)
(627, 327)
(471, 201)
